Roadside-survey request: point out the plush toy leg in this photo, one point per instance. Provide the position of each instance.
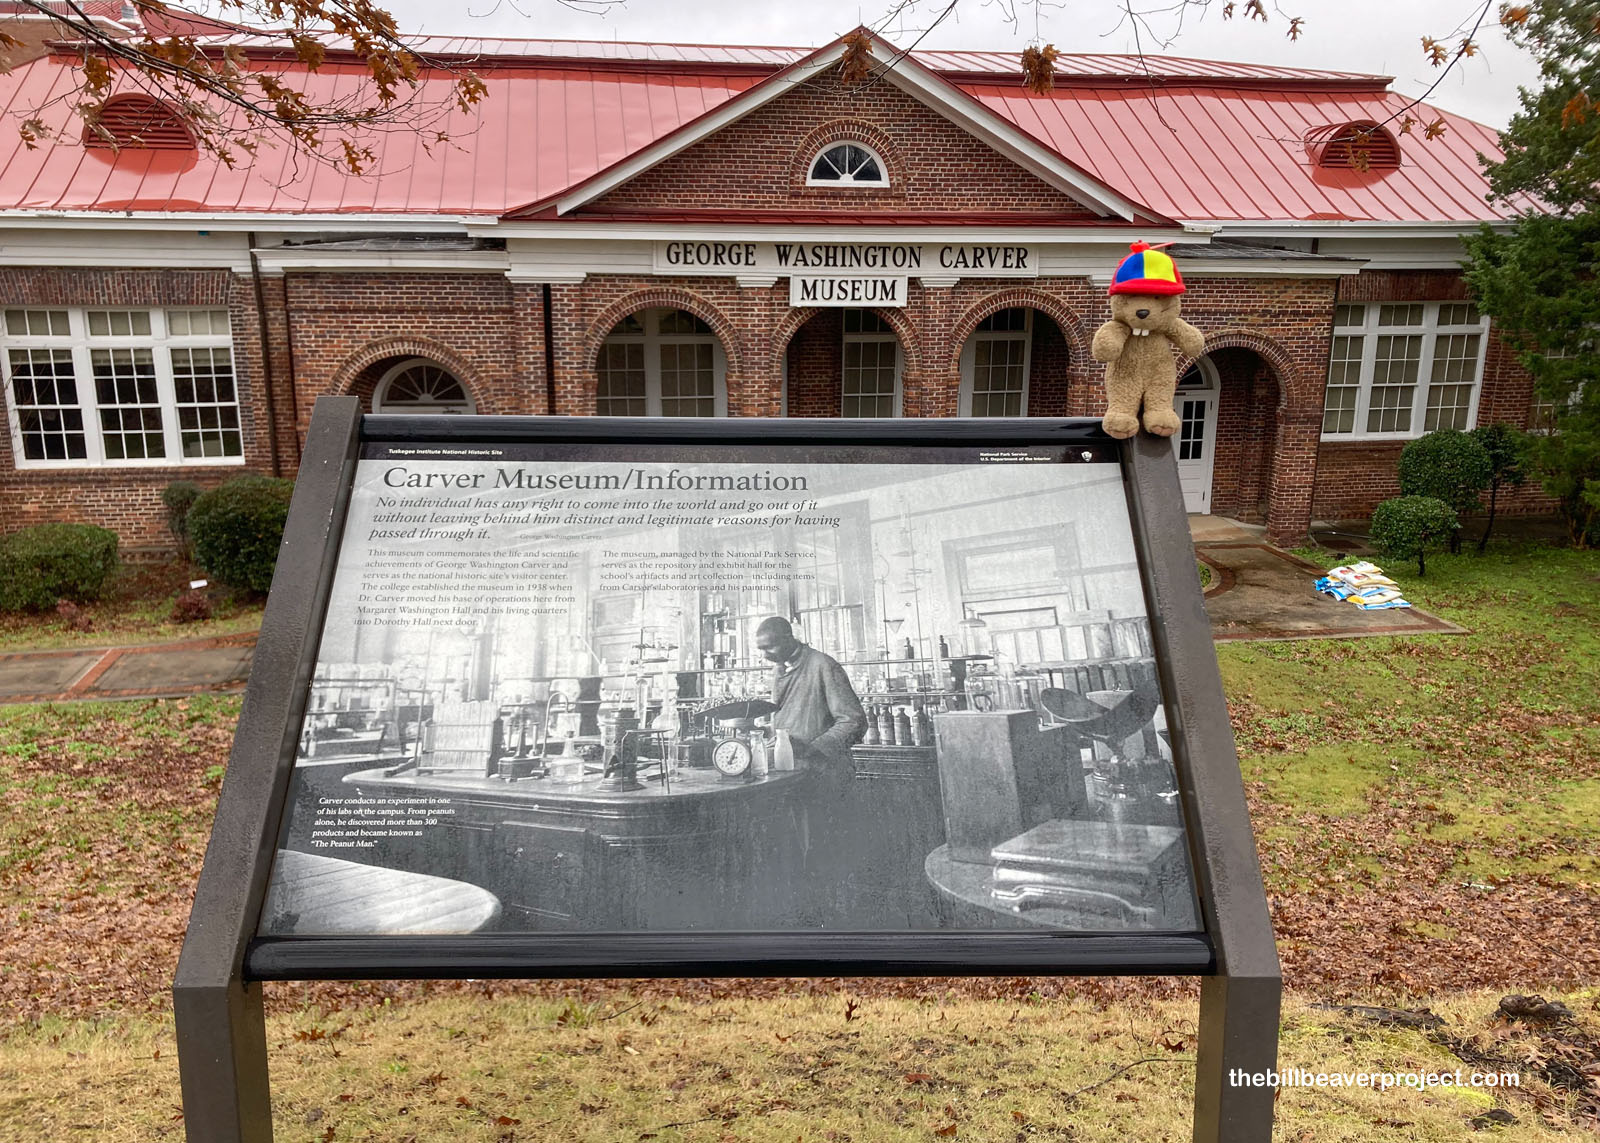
(1159, 418)
(1120, 423)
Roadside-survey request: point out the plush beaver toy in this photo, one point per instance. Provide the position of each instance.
(1135, 343)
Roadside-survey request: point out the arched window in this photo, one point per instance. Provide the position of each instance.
(420, 386)
(995, 364)
(661, 363)
(848, 164)
(870, 382)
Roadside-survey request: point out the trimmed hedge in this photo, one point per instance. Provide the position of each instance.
(1409, 527)
(178, 497)
(236, 529)
(50, 562)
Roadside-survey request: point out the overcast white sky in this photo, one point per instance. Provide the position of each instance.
(1383, 36)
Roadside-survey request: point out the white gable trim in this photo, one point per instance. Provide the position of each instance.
(909, 77)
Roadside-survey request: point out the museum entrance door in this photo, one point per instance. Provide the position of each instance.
(1196, 403)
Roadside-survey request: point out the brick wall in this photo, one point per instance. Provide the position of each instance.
(347, 330)
(126, 500)
(1278, 327)
(815, 365)
(340, 332)
(761, 162)
(1246, 435)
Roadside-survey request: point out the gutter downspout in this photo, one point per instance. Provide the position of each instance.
(549, 356)
(294, 385)
(266, 356)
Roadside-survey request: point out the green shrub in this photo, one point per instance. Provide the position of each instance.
(50, 562)
(1448, 465)
(1507, 447)
(178, 497)
(1409, 527)
(236, 529)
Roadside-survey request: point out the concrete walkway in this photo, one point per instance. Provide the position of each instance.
(156, 670)
(1262, 592)
(1258, 592)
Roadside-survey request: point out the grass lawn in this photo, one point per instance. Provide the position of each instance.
(137, 608)
(1428, 811)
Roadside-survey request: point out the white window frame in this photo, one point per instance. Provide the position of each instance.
(1430, 331)
(380, 392)
(883, 168)
(1541, 413)
(652, 341)
(899, 364)
(81, 344)
(969, 359)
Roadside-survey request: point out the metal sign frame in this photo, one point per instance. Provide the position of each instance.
(217, 987)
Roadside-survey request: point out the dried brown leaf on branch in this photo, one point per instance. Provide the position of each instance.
(1039, 68)
(856, 62)
(1576, 110)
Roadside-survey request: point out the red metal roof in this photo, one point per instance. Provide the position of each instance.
(547, 124)
(536, 133)
(1214, 154)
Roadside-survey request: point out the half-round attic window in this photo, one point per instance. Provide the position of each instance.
(848, 164)
(417, 385)
(138, 121)
(1362, 145)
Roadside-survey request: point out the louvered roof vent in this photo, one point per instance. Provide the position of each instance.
(1362, 145)
(138, 121)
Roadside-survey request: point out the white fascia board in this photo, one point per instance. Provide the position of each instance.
(244, 221)
(730, 112)
(1325, 228)
(592, 230)
(1265, 268)
(1022, 149)
(277, 259)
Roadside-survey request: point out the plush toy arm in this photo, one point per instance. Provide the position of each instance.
(1108, 341)
(1188, 339)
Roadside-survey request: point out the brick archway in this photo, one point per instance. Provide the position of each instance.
(904, 331)
(672, 298)
(1066, 319)
(1289, 430)
(1270, 351)
(356, 377)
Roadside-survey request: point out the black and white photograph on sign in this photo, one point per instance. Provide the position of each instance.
(795, 690)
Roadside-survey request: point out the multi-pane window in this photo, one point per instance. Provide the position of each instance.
(995, 366)
(661, 363)
(849, 163)
(871, 378)
(121, 386)
(1402, 369)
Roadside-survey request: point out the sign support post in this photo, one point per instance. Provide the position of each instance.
(222, 1037)
(1239, 1004)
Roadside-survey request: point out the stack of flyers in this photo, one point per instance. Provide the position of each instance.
(1364, 585)
(1337, 588)
(1362, 574)
(1378, 598)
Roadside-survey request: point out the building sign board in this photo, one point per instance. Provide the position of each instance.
(807, 290)
(843, 259)
(603, 697)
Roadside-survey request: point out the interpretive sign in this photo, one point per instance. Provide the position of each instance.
(540, 697)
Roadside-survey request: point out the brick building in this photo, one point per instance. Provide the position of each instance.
(668, 230)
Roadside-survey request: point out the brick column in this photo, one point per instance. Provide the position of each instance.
(1294, 474)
